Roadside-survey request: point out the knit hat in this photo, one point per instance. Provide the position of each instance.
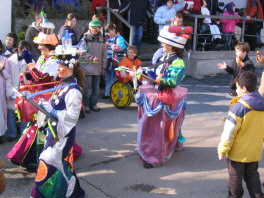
(67, 60)
(171, 39)
(229, 8)
(95, 23)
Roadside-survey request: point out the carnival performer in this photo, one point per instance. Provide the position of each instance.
(55, 176)
(161, 111)
(29, 146)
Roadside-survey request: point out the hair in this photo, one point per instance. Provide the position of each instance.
(166, 1)
(132, 47)
(80, 77)
(177, 50)
(69, 17)
(13, 36)
(37, 15)
(50, 47)
(178, 15)
(202, 2)
(110, 26)
(24, 44)
(1, 47)
(244, 47)
(247, 79)
(95, 17)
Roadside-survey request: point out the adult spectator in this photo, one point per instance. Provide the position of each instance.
(191, 6)
(213, 7)
(33, 31)
(138, 10)
(165, 14)
(253, 10)
(70, 23)
(93, 63)
(114, 4)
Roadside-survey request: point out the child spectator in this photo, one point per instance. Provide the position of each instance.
(115, 43)
(242, 138)
(165, 14)
(228, 25)
(213, 27)
(130, 61)
(10, 44)
(240, 64)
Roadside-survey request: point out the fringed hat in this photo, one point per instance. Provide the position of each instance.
(46, 36)
(67, 60)
(171, 39)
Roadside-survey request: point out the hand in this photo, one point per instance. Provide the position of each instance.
(30, 66)
(168, 21)
(248, 17)
(222, 65)
(95, 59)
(2, 65)
(221, 157)
(47, 106)
(158, 78)
(27, 56)
(115, 10)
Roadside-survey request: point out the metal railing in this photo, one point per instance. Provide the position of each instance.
(124, 21)
(196, 17)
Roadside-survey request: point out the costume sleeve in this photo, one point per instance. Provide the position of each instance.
(68, 117)
(158, 17)
(40, 77)
(176, 73)
(231, 128)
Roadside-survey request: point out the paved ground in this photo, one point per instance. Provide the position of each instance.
(110, 166)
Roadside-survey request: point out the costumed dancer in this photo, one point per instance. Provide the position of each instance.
(161, 111)
(39, 76)
(55, 176)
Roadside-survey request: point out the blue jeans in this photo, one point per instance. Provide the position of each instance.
(137, 37)
(92, 90)
(228, 39)
(11, 124)
(109, 78)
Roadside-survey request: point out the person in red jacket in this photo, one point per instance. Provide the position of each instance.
(253, 11)
(191, 6)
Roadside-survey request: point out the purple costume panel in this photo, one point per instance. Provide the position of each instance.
(159, 124)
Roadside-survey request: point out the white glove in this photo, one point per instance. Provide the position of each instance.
(47, 106)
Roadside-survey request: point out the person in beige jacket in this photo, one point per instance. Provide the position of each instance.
(93, 62)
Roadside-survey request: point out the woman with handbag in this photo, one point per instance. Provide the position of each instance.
(162, 107)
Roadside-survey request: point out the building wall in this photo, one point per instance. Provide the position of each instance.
(5, 22)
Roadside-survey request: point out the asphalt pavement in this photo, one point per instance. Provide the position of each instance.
(110, 167)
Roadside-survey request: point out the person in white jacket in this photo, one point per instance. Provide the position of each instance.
(17, 65)
(165, 14)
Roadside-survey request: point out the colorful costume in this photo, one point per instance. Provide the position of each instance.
(55, 176)
(159, 130)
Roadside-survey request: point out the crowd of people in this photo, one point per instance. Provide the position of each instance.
(64, 71)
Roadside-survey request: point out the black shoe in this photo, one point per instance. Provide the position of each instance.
(147, 165)
(95, 108)
(87, 110)
(105, 97)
